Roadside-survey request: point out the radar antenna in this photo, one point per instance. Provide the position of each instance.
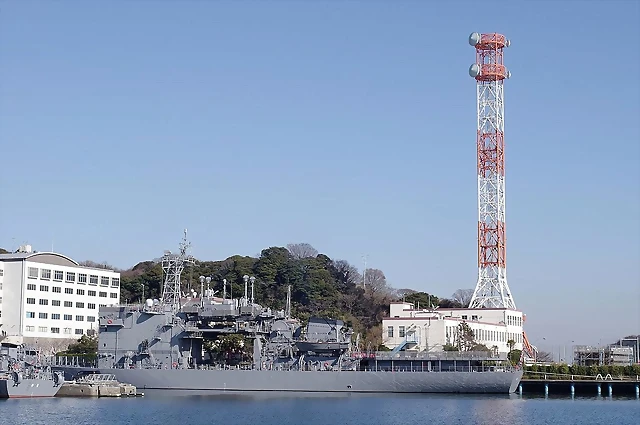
(172, 267)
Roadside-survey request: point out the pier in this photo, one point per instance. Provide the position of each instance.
(570, 386)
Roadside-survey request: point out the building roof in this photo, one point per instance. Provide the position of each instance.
(40, 257)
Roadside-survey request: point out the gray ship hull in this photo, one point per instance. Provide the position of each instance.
(308, 381)
(28, 388)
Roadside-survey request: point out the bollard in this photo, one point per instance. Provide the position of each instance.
(520, 389)
(599, 390)
(637, 391)
(546, 389)
(610, 390)
(573, 389)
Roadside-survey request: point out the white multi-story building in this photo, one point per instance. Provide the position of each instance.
(413, 329)
(46, 295)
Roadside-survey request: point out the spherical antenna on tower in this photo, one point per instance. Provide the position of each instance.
(474, 70)
(474, 38)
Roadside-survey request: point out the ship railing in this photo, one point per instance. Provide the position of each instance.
(440, 355)
(98, 378)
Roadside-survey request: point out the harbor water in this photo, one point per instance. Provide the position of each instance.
(270, 409)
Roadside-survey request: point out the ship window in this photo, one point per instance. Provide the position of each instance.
(401, 331)
(390, 331)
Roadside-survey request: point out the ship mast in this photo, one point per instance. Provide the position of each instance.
(172, 267)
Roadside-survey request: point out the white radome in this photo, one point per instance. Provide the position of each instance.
(474, 70)
(474, 38)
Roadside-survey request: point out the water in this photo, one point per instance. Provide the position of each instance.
(160, 409)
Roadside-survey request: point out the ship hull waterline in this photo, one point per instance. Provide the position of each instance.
(298, 381)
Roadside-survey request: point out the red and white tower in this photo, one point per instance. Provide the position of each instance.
(492, 290)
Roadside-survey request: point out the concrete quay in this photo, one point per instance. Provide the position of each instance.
(593, 388)
(98, 385)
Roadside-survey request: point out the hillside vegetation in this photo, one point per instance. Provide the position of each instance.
(319, 286)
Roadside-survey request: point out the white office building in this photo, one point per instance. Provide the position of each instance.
(411, 329)
(48, 296)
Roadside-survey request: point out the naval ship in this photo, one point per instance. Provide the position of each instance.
(178, 343)
(24, 373)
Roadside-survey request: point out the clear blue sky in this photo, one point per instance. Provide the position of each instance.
(348, 125)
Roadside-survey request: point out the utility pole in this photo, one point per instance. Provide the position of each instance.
(364, 273)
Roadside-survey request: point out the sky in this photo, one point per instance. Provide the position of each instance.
(349, 125)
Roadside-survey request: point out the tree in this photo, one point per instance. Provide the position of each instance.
(465, 338)
(376, 282)
(86, 345)
(511, 343)
(463, 296)
(544, 357)
(514, 356)
(422, 300)
(302, 250)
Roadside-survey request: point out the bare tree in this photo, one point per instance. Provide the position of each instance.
(544, 357)
(463, 296)
(376, 282)
(302, 250)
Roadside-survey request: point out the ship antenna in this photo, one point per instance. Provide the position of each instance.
(287, 311)
(172, 267)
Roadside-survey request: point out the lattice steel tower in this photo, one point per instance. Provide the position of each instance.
(492, 290)
(172, 267)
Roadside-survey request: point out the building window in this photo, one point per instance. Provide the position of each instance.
(58, 275)
(68, 317)
(45, 274)
(464, 317)
(79, 318)
(102, 305)
(93, 279)
(67, 331)
(68, 304)
(1, 272)
(113, 295)
(44, 288)
(31, 314)
(42, 329)
(474, 317)
(103, 294)
(91, 306)
(80, 292)
(30, 328)
(79, 305)
(42, 301)
(401, 331)
(55, 303)
(82, 278)
(31, 287)
(55, 316)
(33, 273)
(115, 281)
(56, 289)
(92, 293)
(71, 277)
(79, 331)
(55, 330)
(31, 300)
(91, 318)
(43, 315)
(104, 281)
(390, 331)
(68, 290)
